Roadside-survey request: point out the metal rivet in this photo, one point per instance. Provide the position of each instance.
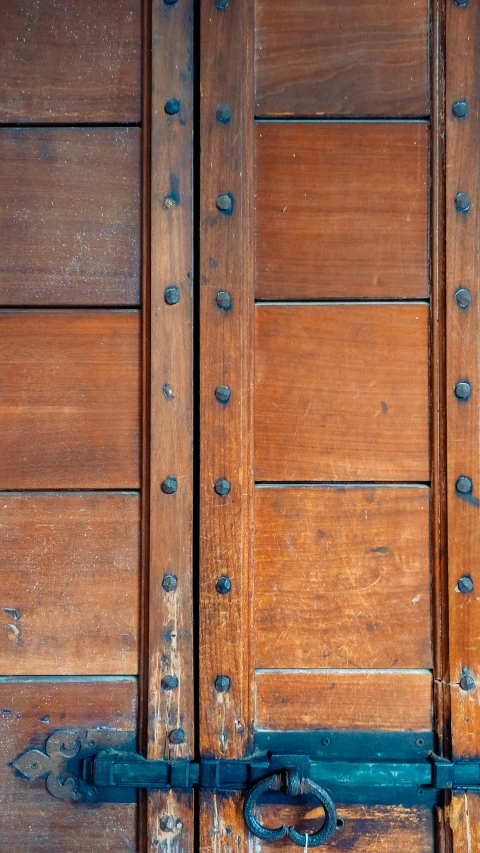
(222, 684)
(460, 109)
(169, 682)
(169, 201)
(221, 4)
(463, 202)
(461, 3)
(467, 681)
(222, 393)
(222, 487)
(464, 485)
(225, 203)
(224, 300)
(465, 584)
(223, 113)
(172, 106)
(171, 295)
(169, 485)
(177, 736)
(169, 583)
(223, 585)
(463, 390)
(463, 297)
(167, 823)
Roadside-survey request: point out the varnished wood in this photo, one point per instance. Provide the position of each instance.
(463, 362)
(33, 820)
(342, 393)
(69, 399)
(342, 577)
(380, 700)
(349, 58)
(70, 216)
(341, 210)
(70, 576)
(77, 61)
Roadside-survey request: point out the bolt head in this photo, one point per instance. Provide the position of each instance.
(221, 4)
(225, 203)
(463, 202)
(167, 823)
(461, 3)
(222, 684)
(223, 113)
(169, 485)
(171, 295)
(169, 682)
(465, 584)
(467, 681)
(172, 106)
(170, 2)
(224, 300)
(222, 487)
(223, 394)
(177, 736)
(223, 585)
(463, 297)
(462, 390)
(460, 109)
(169, 583)
(464, 485)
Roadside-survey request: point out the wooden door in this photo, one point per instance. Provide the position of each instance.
(239, 450)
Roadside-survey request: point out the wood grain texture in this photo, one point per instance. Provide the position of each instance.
(69, 579)
(348, 699)
(342, 577)
(70, 217)
(342, 393)
(463, 814)
(367, 829)
(341, 210)
(77, 61)
(69, 399)
(30, 818)
(463, 363)
(342, 57)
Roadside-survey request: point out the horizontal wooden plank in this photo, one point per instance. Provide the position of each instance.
(33, 820)
(342, 577)
(318, 57)
(364, 829)
(342, 393)
(69, 399)
(70, 216)
(342, 210)
(349, 699)
(75, 61)
(70, 580)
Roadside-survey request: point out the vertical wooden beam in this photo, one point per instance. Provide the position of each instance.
(226, 359)
(463, 356)
(170, 612)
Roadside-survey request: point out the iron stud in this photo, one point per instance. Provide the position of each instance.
(222, 487)
(464, 485)
(169, 682)
(167, 822)
(225, 203)
(467, 681)
(465, 584)
(170, 2)
(222, 684)
(223, 394)
(463, 390)
(224, 300)
(221, 4)
(461, 3)
(169, 583)
(169, 485)
(223, 113)
(171, 295)
(463, 202)
(463, 297)
(172, 106)
(177, 736)
(223, 585)
(460, 109)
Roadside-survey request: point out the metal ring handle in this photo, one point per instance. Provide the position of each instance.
(295, 786)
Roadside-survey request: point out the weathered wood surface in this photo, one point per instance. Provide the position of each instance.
(78, 61)
(341, 210)
(344, 699)
(463, 816)
(347, 58)
(342, 577)
(342, 393)
(31, 819)
(69, 391)
(70, 217)
(70, 579)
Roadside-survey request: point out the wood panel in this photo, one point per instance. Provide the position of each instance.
(342, 57)
(463, 815)
(72, 62)
(348, 699)
(341, 210)
(342, 577)
(69, 392)
(342, 393)
(30, 818)
(463, 364)
(366, 829)
(70, 217)
(70, 580)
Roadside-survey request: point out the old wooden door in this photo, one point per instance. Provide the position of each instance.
(239, 443)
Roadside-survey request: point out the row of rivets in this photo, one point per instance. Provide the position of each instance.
(463, 389)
